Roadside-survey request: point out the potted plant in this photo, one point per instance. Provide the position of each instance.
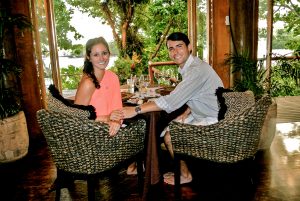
(14, 139)
(251, 74)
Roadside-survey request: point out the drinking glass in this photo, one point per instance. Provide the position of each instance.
(139, 82)
(146, 79)
(130, 83)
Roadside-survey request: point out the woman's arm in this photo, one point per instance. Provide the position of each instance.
(85, 91)
(103, 118)
(116, 115)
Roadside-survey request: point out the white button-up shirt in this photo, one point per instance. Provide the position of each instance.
(197, 89)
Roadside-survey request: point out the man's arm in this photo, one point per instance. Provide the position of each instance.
(130, 112)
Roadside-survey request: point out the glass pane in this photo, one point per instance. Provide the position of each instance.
(44, 43)
(201, 30)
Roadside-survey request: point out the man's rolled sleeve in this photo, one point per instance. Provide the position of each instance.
(162, 104)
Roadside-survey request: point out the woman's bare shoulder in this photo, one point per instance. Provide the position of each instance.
(86, 83)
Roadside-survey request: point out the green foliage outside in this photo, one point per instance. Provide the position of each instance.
(139, 28)
(123, 68)
(144, 24)
(284, 73)
(285, 76)
(63, 16)
(288, 12)
(77, 50)
(285, 79)
(70, 77)
(201, 29)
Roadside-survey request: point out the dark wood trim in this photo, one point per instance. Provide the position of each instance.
(161, 63)
(269, 41)
(50, 19)
(219, 38)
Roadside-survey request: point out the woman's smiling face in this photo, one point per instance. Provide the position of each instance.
(99, 56)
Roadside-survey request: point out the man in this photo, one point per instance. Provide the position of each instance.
(197, 89)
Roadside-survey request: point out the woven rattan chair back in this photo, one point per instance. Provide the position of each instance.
(230, 140)
(83, 147)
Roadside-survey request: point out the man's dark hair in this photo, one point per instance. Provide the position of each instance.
(176, 36)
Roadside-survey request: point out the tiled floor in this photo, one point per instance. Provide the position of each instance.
(277, 177)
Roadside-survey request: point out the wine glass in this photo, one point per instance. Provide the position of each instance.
(139, 82)
(146, 81)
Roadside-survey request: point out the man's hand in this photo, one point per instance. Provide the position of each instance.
(116, 115)
(128, 112)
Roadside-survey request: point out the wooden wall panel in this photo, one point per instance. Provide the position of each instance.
(219, 38)
(29, 79)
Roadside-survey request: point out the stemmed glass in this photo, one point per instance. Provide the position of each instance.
(146, 81)
(139, 82)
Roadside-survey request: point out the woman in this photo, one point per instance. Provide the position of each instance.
(100, 87)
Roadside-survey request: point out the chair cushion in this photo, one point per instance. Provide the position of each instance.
(56, 102)
(233, 103)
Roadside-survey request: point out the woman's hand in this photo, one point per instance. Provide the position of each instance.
(114, 127)
(184, 115)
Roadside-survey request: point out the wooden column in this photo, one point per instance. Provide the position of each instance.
(244, 27)
(50, 18)
(38, 50)
(218, 38)
(269, 42)
(192, 24)
(29, 79)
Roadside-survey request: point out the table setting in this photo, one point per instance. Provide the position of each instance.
(138, 90)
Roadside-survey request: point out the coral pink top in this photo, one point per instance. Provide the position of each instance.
(108, 97)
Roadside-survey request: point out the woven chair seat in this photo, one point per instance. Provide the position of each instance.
(232, 139)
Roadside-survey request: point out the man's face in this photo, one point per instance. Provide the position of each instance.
(178, 52)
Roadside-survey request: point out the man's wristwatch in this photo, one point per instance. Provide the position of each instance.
(138, 109)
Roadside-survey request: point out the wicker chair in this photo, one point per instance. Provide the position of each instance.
(232, 139)
(83, 149)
